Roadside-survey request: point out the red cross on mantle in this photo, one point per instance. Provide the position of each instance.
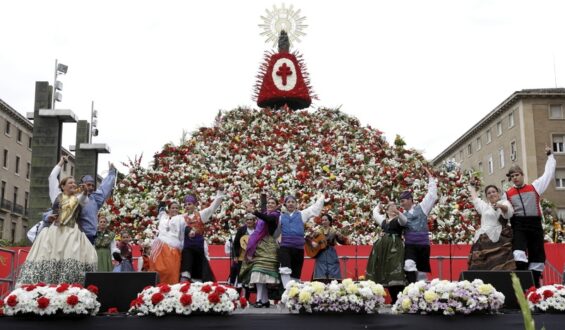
(284, 71)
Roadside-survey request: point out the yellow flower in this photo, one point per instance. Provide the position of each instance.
(326, 168)
(293, 292)
(304, 297)
(406, 303)
(485, 289)
(378, 290)
(280, 180)
(318, 287)
(332, 177)
(352, 288)
(430, 296)
(347, 282)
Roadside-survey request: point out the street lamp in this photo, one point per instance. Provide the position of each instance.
(93, 122)
(60, 68)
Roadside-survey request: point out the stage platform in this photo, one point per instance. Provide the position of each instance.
(279, 318)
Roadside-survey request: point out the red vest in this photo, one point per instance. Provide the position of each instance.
(525, 201)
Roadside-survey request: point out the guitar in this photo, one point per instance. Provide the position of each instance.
(321, 242)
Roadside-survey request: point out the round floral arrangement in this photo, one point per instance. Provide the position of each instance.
(42, 299)
(187, 298)
(448, 298)
(334, 297)
(548, 298)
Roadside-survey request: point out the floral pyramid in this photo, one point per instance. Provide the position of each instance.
(281, 152)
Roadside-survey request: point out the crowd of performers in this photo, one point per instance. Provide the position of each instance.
(268, 250)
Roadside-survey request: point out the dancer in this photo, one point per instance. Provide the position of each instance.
(104, 244)
(416, 235)
(291, 223)
(236, 251)
(165, 256)
(124, 253)
(260, 266)
(61, 252)
(527, 230)
(327, 263)
(492, 244)
(194, 262)
(387, 256)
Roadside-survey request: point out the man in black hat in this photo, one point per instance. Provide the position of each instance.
(416, 235)
(527, 230)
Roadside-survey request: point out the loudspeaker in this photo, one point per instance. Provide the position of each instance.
(119, 289)
(502, 282)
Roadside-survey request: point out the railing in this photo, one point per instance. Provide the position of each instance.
(7, 283)
(6, 204)
(18, 209)
(551, 274)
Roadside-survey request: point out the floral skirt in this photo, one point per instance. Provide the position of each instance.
(264, 268)
(487, 255)
(327, 265)
(60, 254)
(385, 265)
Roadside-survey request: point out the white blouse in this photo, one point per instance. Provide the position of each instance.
(489, 219)
(171, 229)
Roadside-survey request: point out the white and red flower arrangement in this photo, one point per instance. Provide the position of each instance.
(42, 299)
(187, 298)
(548, 298)
(301, 152)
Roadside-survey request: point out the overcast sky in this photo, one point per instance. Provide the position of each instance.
(154, 68)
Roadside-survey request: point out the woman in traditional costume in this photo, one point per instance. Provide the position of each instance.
(124, 253)
(327, 263)
(492, 244)
(260, 266)
(61, 253)
(385, 265)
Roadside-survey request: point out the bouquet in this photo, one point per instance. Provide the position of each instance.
(548, 298)
(186, 298)
(345, 297)
(448, 298)
(41, 299)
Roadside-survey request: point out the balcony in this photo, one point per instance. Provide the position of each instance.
(18, 209)
(6, 204)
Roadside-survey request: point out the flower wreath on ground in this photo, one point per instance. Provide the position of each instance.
(42, 299)
(345, 297)
(187, 298)
(448, 298)
(548, 298)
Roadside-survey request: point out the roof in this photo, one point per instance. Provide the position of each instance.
(16, 115)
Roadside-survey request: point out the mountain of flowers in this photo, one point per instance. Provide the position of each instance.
(282, 152)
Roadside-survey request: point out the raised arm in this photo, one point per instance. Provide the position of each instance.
(314, 209)
(207, 213)
(431, 196)
(54, 190)
(377, 216)
(105, 189)
(541, 183)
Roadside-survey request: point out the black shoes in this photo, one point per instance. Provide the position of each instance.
(260, 304)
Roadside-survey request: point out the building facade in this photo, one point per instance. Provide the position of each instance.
(516, 132)
(15, 170)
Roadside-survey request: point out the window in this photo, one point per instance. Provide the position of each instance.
(556, 111)
(557, 142)
(3, 191)
(511, 119)
(461, 155)
(17, 165)
(5, 162)
(489, 136)
(65, 167)
(7, 128)
(560, 178)
(15, 195)
(28, 170)
(499, 128)
(29, 142)
(469, 149)
(490, 165)
(561, 214)
(481, 167)
(513, 152)
(501, 157)
(26, 201)
(479, 143)
(72, 170)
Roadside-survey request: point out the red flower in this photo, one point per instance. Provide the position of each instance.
(157, 298)
(243, 302)
(112, 310)
(206, 288)
(220, 289)
(185, 299)
(30, 287)
(43, 302)
(147, 287)
(547, 294)
(12, 301)
(165, 288)
(72, 300)
(214, 298)
(185, 288)
(92, 288)
(535, 297)
(62, 288)
(77, 285)
(41, 284)
(136, 302)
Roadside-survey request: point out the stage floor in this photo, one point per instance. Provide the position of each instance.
(279, 318)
